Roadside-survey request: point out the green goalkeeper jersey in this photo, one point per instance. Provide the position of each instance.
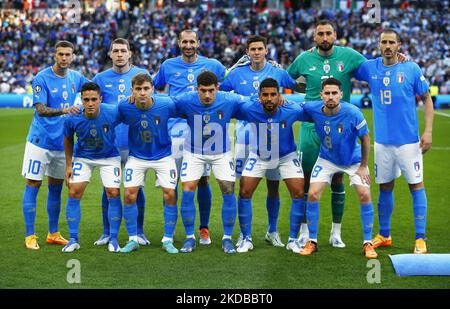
(316, 68)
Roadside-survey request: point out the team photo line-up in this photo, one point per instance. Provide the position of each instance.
(125, 128)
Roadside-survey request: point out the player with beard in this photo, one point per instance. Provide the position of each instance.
(317, 65)
(181, 73)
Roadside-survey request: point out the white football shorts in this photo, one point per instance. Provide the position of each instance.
(136, 170)
(110, 171)
(324, 170)
(288, 166)
(194, 165)
(38, 162)
(391, 161)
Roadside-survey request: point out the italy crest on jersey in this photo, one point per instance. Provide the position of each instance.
(93, 132)
(121, 87)
(327, 129)
(386, 81)
(326, 67)
(190, 77)
(206, 118)
(173, 174)
(117, 172)
(400, 77)
(340, 66)
(144, 124)
(65, 95)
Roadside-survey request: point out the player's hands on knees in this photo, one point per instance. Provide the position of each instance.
(72, 110)
(425, 142)
(363, 172)
(131, 99)
(69, 174)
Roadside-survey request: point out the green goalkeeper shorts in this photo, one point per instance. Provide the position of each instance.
(309, 146)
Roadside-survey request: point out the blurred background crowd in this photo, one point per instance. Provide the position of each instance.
(29, 32)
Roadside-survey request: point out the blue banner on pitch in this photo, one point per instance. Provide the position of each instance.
(421, 264)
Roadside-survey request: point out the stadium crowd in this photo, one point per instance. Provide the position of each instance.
(27, 37)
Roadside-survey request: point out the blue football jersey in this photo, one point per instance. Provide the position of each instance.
(182, 77)
(148, 136)
(243, 80)
(208, 124)
(394, 90)
(274, 133)
(95, 137)
(338, 133)
(54, 92)
(114, 88)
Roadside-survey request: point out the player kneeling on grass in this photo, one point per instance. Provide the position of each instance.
(94, 128)
(150, 148)
(274, 157)
(339, 124)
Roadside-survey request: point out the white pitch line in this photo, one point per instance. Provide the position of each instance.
(442, 114)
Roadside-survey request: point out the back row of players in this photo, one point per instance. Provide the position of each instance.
(333, 128)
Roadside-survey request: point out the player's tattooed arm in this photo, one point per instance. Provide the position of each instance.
(45, 111)
(426, 139)
(227, 187)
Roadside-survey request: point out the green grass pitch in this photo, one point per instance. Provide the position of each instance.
(208, 267)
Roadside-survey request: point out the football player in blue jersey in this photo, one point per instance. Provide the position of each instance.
(94, 147)
(275, 156)
(54, 92)
(245, 80)
(208, 113)
(398, 147)
(150, 148)
(181, 73)
(339, 125)
(115, 85)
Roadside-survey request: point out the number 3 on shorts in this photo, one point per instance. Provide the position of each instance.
(316, 171)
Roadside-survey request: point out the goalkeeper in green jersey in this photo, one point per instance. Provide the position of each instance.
(315, 66)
